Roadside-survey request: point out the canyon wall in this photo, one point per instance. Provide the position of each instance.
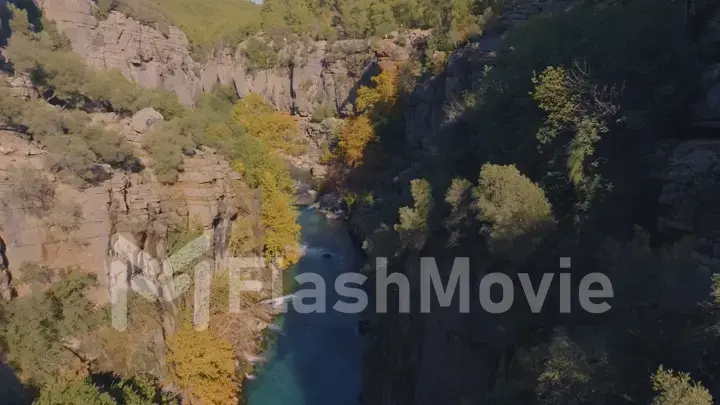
(328, 74)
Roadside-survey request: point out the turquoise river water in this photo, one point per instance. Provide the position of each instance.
(317, 358)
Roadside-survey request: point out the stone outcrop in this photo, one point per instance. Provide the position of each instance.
(144, 119)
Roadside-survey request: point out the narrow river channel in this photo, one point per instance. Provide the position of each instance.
(317, 358)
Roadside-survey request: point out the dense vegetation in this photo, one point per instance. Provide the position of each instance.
(215, 23)
(547, 156)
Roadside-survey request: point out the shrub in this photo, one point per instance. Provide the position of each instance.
(43, 121)
(145, 12)
(110, 147)
(413, 226)
(515, 210)
(66, 216)
(113, 88)
(51, 316)
(678, 389)
(166, 148)
(103, 9)
(30, 190)
(260, 56)
(71, 155)
(323, 112)
(164, 101)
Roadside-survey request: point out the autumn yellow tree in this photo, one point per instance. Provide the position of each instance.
(280, 220)
(354, 137)
(202, 364)
(277, 130)
(378, 99)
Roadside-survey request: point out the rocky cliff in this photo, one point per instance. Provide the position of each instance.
(134, 205)
(328, 74)
(140, 52)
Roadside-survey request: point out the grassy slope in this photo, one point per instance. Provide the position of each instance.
(207, 21)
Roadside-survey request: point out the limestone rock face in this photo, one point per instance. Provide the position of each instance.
(324, 74)
(141, 53)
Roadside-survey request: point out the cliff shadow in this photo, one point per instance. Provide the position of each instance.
(364, 79)
(12, 391)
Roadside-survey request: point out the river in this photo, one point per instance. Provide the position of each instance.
(317, 358)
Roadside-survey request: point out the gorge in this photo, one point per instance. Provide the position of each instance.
(512, 133)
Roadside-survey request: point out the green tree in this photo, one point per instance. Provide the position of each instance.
(40, 327)
(382, 20)
(678, 389)
(355, 17)
(79, 391)
(413, 226)
(135, 391)
(515, 210)
(571, 374)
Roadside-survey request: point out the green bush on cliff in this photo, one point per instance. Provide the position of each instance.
(323, 112)
(51, 315)
(678, 389)
(516, 211)
(167, 146)
(75, 390)
(413, 226)
(259, 54)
